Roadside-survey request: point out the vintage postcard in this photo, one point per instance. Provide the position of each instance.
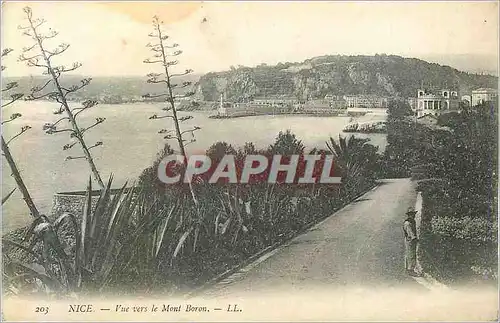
(249, 161)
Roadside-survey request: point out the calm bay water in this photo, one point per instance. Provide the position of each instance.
(131, 143)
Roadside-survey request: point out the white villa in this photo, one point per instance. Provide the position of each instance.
(482, 95)
(436, 103)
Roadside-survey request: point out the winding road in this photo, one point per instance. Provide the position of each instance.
(350, 266)
(359, 245)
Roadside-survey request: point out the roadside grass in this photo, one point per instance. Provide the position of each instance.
(457, 249)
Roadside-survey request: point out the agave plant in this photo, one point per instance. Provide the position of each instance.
(231, 217)
(100, 249)
(30, 276)
(155, 226)
(271, 207)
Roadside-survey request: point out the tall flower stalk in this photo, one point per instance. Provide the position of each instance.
(162, 54)
(38, 55)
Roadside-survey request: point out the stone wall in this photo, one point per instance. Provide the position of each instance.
(73, 202)
(70, 202)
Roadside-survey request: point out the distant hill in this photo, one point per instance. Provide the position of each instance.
(105, 89)
(472, 63)
(386, 75)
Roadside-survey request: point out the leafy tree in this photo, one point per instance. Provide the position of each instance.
(469, 158)
(249, 148)
(403, 133)
(149, 176)
(219, 149)
(398, 110)
(287, 144)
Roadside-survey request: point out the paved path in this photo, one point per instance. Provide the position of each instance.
(361, 245)
(348, 267)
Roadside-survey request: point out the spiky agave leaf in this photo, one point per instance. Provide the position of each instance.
(216, 223)
(99, 218)
(143, 230)
(116, 206)
(6, 197)
(180, 244)
(37, 271)
(17, 245)
(103, 219)
(196, 234)
(84, 251)
(163, 230)
(76, 280)
(123, 209)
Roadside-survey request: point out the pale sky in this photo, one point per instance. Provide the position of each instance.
(109, 38)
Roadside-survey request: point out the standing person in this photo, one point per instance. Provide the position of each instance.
(411, 240)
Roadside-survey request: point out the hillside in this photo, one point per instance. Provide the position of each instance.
(106, 89)
(386, 75)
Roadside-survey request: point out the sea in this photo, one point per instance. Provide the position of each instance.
(130, 144)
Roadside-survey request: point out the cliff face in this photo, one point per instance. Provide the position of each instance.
(339, 75)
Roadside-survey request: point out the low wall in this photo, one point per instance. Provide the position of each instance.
(70, 203)
(73, 202)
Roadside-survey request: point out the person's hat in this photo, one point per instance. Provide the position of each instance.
(411, 210)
